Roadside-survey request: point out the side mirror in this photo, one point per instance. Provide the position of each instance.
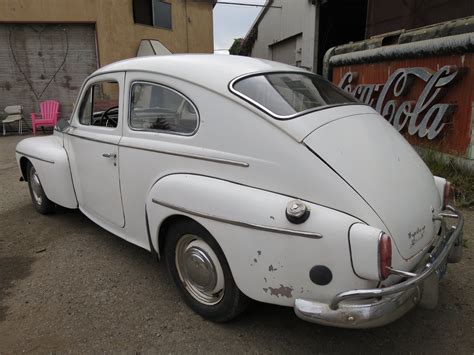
(62, 124)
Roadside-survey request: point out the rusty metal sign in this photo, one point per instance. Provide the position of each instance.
(423, 115)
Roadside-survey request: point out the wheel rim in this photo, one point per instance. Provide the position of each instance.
(199, 270)
(36, 187)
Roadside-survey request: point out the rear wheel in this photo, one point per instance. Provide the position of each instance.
(200, 271)
(41, 203)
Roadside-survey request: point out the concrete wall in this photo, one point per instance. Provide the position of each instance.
(279, 24)
(118, 37)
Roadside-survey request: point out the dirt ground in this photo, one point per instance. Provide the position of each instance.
(68, 285)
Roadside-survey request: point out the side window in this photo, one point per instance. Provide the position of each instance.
(155, 107)
(100, 105)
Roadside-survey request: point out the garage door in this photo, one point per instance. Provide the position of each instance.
(285, 51)
(44, 61)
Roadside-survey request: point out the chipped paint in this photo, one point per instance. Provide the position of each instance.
(283, 291)
(271, 268)
(259, 252)
(265, 279)
(254, 260)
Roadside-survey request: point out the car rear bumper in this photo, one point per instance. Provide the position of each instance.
(376, 307)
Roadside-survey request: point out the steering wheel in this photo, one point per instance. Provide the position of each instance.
(105, 115)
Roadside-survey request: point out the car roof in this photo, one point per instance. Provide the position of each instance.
(213, 71)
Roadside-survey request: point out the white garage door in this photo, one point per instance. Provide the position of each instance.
(44, 61)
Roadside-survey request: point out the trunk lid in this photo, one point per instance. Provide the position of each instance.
(382, 167)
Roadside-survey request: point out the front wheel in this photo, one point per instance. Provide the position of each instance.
(41, 203)
(200, 271)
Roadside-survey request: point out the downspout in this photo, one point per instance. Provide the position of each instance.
(187, 24)
(327, 73)
(315, 53)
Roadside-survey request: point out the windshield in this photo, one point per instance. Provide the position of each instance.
(285, 95)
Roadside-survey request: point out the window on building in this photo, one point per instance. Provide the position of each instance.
(155, 107)
(161, 14)
(155, 13)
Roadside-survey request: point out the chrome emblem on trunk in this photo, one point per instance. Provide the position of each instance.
(416, 236)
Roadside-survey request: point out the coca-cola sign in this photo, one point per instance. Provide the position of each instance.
(423, 114)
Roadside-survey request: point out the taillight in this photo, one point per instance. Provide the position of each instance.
(385, 256)
(447, 194)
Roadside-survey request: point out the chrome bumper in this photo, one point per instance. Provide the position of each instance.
(376, 307)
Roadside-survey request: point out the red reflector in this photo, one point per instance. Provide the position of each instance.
(385, 256)
(447, 194)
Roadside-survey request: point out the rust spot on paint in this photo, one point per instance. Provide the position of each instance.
(283, 291)
(271, 268)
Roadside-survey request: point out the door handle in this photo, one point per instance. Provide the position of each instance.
(109, 155)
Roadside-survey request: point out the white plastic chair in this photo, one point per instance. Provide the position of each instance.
(14, 114)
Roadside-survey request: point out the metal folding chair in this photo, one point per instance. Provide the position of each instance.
(14, 114)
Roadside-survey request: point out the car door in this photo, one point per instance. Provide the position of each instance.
(92, 145)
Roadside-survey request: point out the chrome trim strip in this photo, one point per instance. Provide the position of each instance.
(167, 152)
(241, 224)
(33, 157)
(89, 139)
(191, 156)
(435, 260)
(271, 113)
(448, 215)
(402, 273)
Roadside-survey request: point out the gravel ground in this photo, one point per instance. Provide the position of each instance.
(68, 285)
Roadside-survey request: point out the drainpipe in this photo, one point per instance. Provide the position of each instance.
(315, 53)
(187, 25)
(327, 73)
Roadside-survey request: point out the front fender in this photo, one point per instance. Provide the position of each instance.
(270, 257)
(51, 162)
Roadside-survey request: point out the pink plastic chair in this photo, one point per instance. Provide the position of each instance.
(49, 115)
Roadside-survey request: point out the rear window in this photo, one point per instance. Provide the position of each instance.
(287, 95)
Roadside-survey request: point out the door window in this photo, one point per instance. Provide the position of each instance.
(100, 105)
(155, 107)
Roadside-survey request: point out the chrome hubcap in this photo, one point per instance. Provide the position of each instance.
(199, 269)
(36, 187)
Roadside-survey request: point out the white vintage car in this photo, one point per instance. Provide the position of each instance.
(253, 180)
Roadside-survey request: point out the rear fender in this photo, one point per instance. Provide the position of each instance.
(51, 162)
(270, 257)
